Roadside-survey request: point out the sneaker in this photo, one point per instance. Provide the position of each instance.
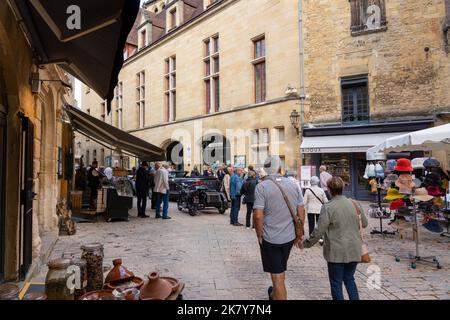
(321, 242)
(145, 217)
(167, 218)
(158, 217)
(238, 225)
(248, 228)
(269, 292)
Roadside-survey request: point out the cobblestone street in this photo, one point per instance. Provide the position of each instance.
(219, 261)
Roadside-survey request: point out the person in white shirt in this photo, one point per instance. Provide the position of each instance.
(163, 192)
(314, 198)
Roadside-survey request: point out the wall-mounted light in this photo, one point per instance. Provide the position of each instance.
(35, 83)
(295, 120)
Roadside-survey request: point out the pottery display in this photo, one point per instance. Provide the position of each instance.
(135, 282)
(93, 254)
(119, 273)
(56, 280)
(156, 288)
(9, 292)
(174, 282)
(99, 295)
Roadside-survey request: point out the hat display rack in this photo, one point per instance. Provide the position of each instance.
(412, 192)
(375, 172)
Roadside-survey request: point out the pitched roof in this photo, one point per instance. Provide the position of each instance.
(133, 35)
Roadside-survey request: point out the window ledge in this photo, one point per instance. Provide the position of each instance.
(364, 32)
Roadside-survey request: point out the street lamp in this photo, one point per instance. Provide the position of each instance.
(295, 120)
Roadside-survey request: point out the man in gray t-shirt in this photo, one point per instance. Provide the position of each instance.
(274, 224)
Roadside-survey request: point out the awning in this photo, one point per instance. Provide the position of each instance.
(101, 131)
(343, 144)
(433, 139)
(84, 37)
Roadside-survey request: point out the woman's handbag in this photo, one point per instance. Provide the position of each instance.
(365, 257)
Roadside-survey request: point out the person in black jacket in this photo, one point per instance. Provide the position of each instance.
(94, 183)
(248, 191)
(142, 189)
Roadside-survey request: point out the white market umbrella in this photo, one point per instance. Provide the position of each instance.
(433, 139)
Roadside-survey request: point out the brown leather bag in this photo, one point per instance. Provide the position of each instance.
(298, 223)
(365, 257)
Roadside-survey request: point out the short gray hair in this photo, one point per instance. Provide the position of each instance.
(315, 181)
(272, 165)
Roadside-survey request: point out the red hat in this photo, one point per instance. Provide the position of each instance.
(435, 191)
(397, 204)
(404, 165)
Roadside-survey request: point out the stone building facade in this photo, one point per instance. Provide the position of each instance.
(32, 128)
(209, 82)
(373, 68)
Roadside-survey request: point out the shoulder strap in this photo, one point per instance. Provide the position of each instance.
(286, 199)
(358, 212)
(315, 195)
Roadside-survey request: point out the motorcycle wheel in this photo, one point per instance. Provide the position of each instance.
(222, 210)
(192, 212)
(180, 205)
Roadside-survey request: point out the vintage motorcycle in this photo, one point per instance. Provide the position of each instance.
(199, 196)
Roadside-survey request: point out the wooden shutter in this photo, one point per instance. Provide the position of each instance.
(359, 14)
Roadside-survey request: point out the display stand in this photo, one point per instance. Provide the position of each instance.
(446, 216)
(380, 206)
(417, 258)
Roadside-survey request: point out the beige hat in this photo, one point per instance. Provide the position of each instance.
(422, 195)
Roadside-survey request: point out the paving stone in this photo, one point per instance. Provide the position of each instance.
(218, 261)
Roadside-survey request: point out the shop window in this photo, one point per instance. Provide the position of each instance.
(355, 100)
(368, 16)
(338, 165)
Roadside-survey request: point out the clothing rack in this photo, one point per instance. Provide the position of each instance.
(417, 258)
(382, 232)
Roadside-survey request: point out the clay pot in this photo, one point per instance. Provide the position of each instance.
(119, 273)
(99, 295)
(134, 283)
(156, 288)
(174, 283)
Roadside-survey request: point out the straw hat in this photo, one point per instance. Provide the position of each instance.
(422, 195)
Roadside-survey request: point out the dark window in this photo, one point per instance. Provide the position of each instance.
(355, 100)
(217, 94)
(368, 16)
(260, 69)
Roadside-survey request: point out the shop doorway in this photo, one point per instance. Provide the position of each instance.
(26, 198)
(175, 155)
(2, 184)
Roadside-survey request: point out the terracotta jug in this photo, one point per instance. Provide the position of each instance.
(156, 288)
(119, 273)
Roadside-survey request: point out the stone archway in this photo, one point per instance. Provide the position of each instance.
(174, 153)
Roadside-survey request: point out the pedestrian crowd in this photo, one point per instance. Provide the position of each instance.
(276, 208)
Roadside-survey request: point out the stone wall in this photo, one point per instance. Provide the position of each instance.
(405, 78)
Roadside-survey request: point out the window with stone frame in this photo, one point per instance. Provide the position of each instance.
(170, 92)
(355, 100)
(367, 16)
(447, 24)
(212, 74)
(259, 144)
(140, 94)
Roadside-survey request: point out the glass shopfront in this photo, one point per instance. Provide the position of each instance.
(350, 167)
